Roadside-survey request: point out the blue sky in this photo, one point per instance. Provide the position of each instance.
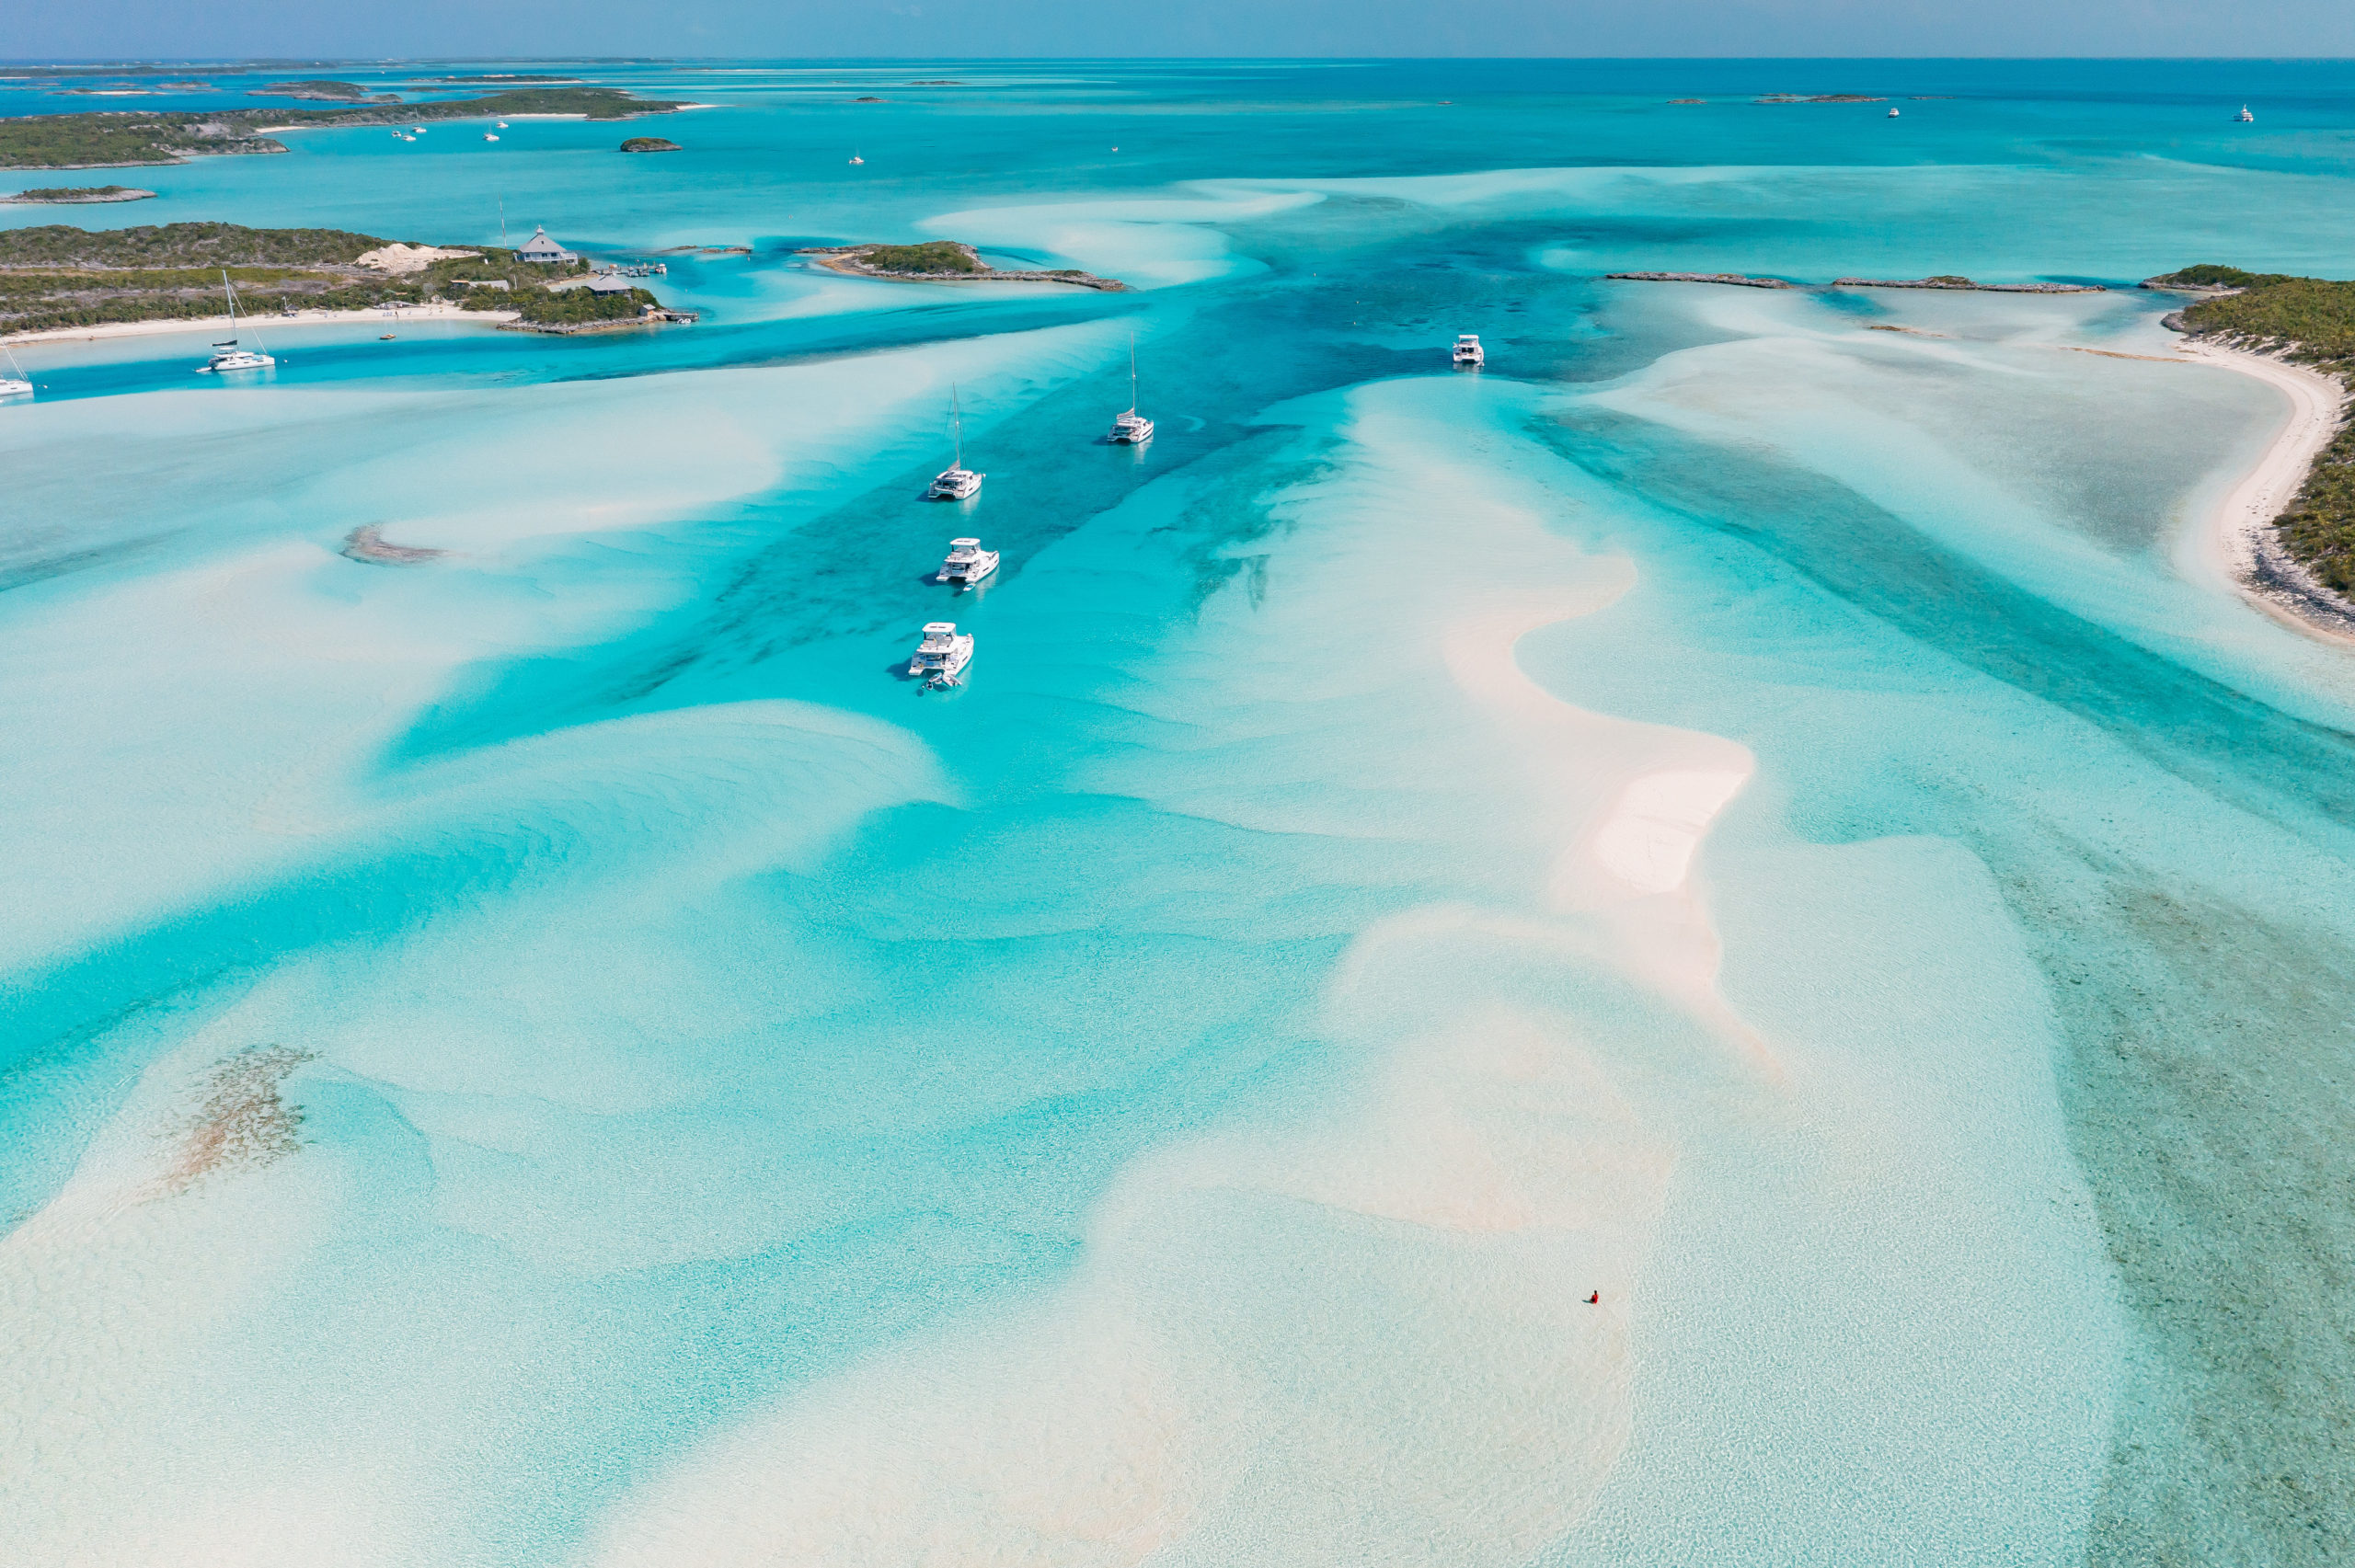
(114, 29)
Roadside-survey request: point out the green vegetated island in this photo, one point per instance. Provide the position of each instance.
(325, 92)
(128, 138)
(2311, 321)
(55, 277)
(650, 144)
(75, 196)
(1953, 280)
(943, 261)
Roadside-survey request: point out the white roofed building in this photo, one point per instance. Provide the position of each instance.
(539, 248)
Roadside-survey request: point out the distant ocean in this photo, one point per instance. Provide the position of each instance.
(1749, 808)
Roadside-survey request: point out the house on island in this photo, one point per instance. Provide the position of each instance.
(541, 249)
(605, 283)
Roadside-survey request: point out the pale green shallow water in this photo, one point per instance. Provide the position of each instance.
(1170, 1099)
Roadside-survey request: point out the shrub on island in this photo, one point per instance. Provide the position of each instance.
(932, 256)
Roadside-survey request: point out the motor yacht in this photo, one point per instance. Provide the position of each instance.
(1131, 428)
(968, 563)
(1893, 114)
(941, 657)
(227, 356)
(1468, 350)
(16, 383)
(955, 482)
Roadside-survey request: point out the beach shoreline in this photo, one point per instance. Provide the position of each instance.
(2236, 541)
(369, 315)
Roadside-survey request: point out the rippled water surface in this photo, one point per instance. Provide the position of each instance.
(560, 1054)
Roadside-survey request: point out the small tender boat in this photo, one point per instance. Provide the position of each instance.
(1468, 350)
(2245, 117)
(1131, 428)
(227, 356)
(943, 654)
(955, 482)
(968, 563)
(16, 383)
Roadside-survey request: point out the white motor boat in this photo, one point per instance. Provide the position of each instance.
(1893, 114)
(501, 126)
(1468, 350)
(955, 482)
(1131, 428)
(941, 657)
(227, 356)
(968, 563)
(16, 383)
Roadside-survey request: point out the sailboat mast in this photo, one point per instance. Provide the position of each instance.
(1132, 370)
(957, 427)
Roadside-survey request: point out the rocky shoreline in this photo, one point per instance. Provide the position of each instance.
(1735, 280)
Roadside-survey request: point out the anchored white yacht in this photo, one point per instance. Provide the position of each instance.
(856, 159)
(955, 482)
(1132, 429)
(228, 356)
(16, 383)
(490, 135)
(1468, 350)
(941, 657)
(968, 563)
(2245, 117)
(1893, 114)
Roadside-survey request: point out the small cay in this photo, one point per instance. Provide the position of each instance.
(942, 261)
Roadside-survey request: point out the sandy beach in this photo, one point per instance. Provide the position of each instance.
(371, 316)
(2234, 542)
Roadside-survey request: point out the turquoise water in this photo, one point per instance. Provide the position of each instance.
(561, 1055)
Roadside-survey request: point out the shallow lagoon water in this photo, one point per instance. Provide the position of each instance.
(559, 1056)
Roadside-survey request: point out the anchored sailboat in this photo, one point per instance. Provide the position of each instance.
(955, 482)
(16, 383)
(1132, 429)
(228, 356)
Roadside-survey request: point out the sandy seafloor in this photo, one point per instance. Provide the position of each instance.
(562, 1055)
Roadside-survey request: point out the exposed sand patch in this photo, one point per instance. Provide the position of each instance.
(402, 259)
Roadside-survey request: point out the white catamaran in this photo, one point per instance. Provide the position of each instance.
(1468, 350)
(941, 657)
(228, 356)
(955, 482)
(16, 383)
(968, 563)
(1132, 429)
